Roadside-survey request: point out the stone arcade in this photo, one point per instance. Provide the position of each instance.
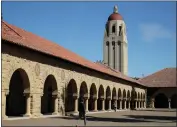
(41, 78)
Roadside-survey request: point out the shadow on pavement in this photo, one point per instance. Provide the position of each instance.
(158, 110)
(92, 118)
(171, 118)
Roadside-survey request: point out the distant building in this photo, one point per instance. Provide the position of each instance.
(161, 88)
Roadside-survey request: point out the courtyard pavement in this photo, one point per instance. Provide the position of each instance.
(158, 117)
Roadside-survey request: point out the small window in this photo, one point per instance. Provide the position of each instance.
(113, 29)
(120, 30)
(113, 43)
(107, 43)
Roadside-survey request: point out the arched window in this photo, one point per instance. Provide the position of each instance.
(120, 30)
(113, 29)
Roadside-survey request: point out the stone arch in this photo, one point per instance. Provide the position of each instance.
(161, 101)
(113, 28)
(93, 97)
(108, 97)
(136, 95)
(114, 97)
(124, 99)
(71, 96)
(128, 94)
(141, 96)
(119, 93)
(174, 101)
(119, 98)
(124, 94)
(100, 97)
(114, 93)
(128, 98)
(144, 97)
(133, 98)
(50, 91)
(18, 87)
(83, 92)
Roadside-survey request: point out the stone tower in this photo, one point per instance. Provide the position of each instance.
(115, 52)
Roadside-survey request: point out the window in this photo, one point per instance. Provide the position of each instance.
(120, 30)
(113, 29)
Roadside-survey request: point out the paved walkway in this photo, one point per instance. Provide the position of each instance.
(160, 117)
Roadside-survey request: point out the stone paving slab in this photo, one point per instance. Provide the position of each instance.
(161, 117)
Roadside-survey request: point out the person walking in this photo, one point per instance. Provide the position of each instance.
(82, 110)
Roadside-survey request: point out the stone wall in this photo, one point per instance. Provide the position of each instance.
(38, 66)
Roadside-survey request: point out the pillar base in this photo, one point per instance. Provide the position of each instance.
(55, 113)
(95, 110)
(5, 117)
(76, 111)
(27, 115)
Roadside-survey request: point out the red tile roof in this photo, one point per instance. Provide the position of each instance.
(162, 78)
(26, 39)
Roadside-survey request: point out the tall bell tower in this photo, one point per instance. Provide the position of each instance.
(115, 49)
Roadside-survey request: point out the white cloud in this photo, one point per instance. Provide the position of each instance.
(153, 31)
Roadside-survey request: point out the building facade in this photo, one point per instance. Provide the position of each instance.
(161, 88)
(42, 78)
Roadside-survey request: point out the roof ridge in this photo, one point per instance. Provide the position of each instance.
(11, 28)
(152, 74)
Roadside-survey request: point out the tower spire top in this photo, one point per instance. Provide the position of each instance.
(115, 9)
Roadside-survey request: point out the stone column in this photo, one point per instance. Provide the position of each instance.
(28, 105)
(117, 56)
(95, 105)
(122, 57)
(152, 103)
(116, 103)
(105, 54)
(125, 104)
(144, 104)
(129, 104)
(120, 104)
(76, 105)
(135, 104)
(109, 105)
(55, 104)
(86, 105)
(169, 103)
(138, 105)
(103, 105)
(110, 55)
(4, 95)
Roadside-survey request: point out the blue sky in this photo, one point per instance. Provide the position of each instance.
(79, 27)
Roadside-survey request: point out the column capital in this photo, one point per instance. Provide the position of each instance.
(55, 96)
(169, 99)
(27, 94)
(5, 92)
(152, 99)
(120, 98)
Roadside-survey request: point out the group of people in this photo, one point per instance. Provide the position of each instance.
(82, 113)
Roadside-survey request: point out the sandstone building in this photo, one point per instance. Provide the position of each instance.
(161, 88)
(42, 78)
